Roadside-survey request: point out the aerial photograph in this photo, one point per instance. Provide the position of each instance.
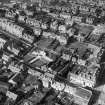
(52, 52)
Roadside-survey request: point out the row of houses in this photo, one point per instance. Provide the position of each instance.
(38, 25)
(80, 12)
(75, 8)
(15, 30)
(55, 25)
(89, 2)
